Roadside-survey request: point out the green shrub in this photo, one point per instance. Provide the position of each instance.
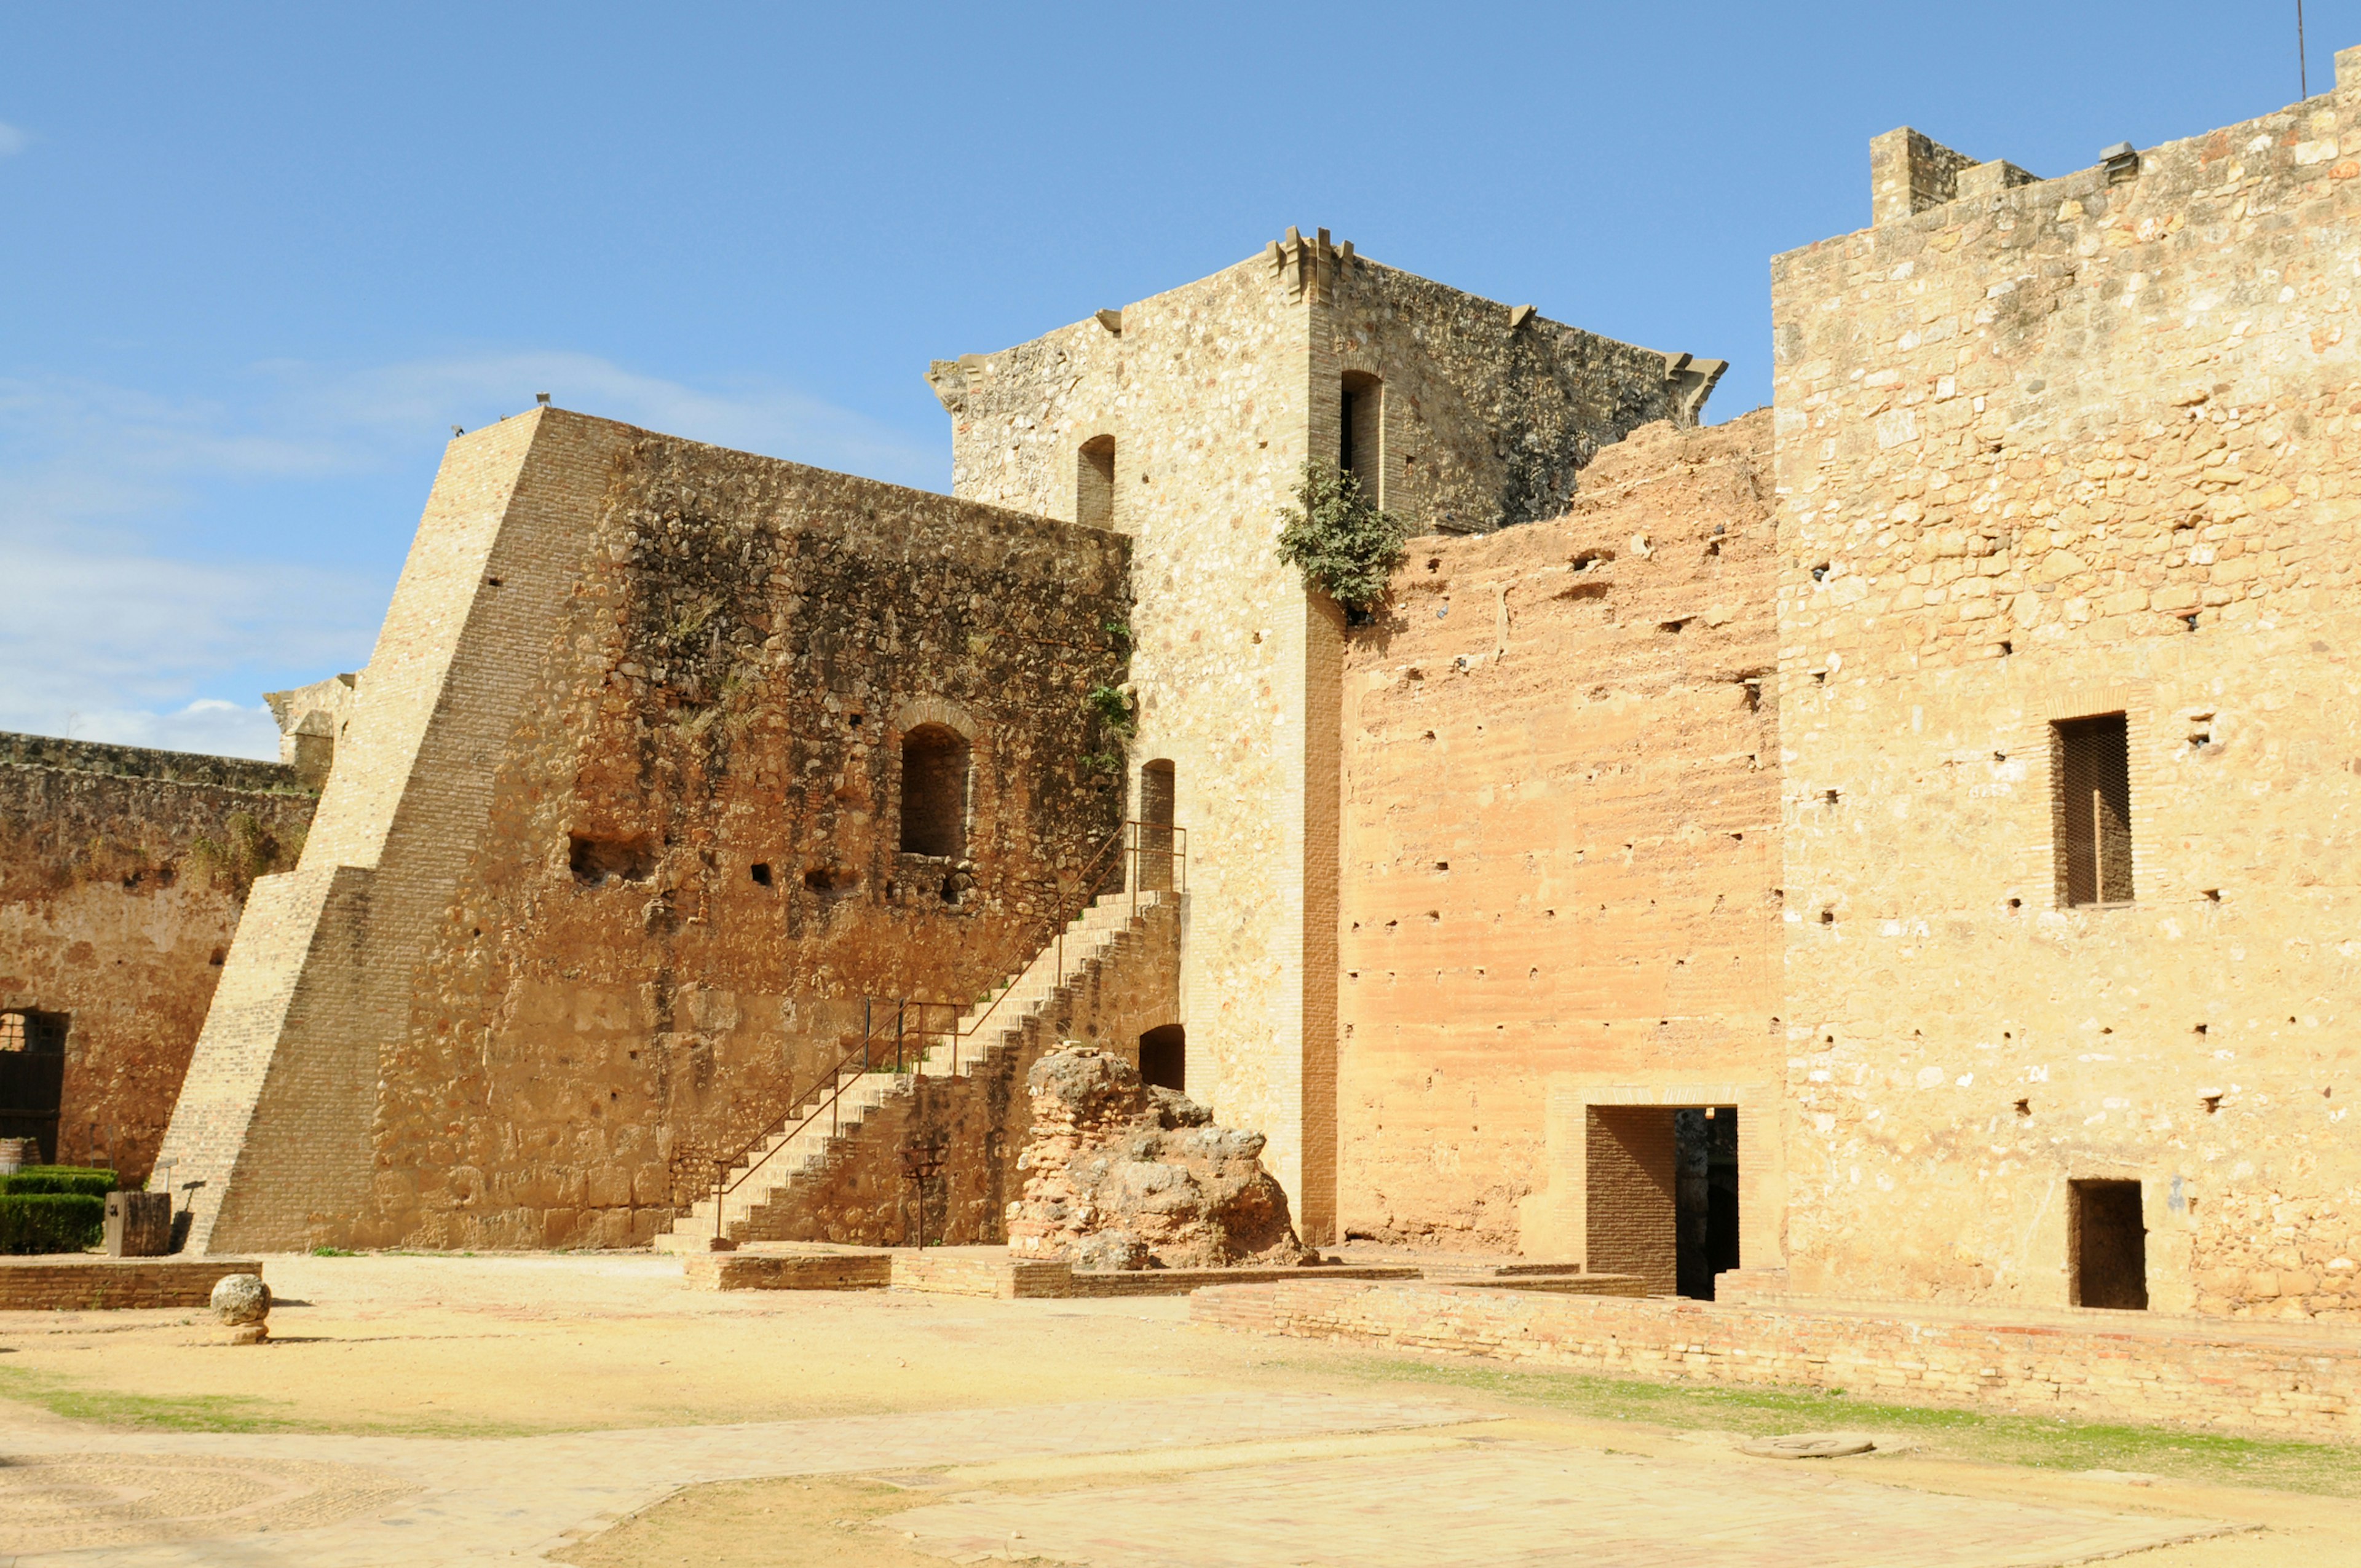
(50, 1222)
(1345, 547)
(71, 1178)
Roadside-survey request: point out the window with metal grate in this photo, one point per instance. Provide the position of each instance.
(2092, 817)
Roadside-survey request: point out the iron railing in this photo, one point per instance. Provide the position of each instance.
(1140, 856)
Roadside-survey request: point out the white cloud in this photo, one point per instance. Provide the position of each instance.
(208, 725)
(399, 402)
(106, 644)
(13, 140)
(126, 621)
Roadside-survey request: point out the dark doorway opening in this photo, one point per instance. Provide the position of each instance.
(2106, 1244)
(1704, 1155)
(1164, 1057)
(32, 1078)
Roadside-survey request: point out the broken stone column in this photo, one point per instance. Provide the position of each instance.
(1118, 1174)
(242, 1303)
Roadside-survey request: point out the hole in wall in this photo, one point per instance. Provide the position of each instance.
(595, 861)
(831, 881)
(761, 871)
(2024, 1107)
(2213, 1103)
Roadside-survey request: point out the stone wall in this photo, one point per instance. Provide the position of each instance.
(2180, 1374)
(2078, 446)
(122, 874)
(1205, 402)
(1561, 845)
(612, 849)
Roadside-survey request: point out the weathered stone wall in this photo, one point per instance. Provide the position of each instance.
(1212, 396)
(612, 841)
(2075, 447)
(1560, 844)
(1485, 413)
(122, 873)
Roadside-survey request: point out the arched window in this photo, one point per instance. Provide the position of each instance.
(1094, 483)
(934, 792)
(1156, 790)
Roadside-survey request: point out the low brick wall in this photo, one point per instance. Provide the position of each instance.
(2296, 1383)
(1182, 1281)
(787, 1271)
(979, 1271)
(101, 1284)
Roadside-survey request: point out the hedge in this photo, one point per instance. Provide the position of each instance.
(50, 1222)
(60, 1178)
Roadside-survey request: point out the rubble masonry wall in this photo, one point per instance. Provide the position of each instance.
(2074, 448)
(122, 874)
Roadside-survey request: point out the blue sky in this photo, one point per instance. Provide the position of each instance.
(256, 260)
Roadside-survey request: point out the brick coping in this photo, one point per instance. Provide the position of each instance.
(2189, 1373)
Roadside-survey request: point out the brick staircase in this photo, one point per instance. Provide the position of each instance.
(774, 1193)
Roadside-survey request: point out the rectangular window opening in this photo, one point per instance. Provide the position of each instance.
(32, 1078)
(2107, 1245)
(1361, 439)
(2092, 814)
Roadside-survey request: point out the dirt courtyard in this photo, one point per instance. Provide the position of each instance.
(590, 1409)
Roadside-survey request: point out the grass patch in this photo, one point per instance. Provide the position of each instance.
(2034, 1441)
(184, 1412)
(229, 1413)
(334, 1252)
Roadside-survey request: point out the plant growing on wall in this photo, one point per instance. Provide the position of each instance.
(1117, 718)
(1345, 547)
(246, 850)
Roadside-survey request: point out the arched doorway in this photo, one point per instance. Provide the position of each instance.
(1164, 1057)
(1156, 791)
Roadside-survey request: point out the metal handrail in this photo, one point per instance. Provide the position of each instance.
(1139, 843)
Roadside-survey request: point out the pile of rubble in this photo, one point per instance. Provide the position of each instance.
(1119, 1175)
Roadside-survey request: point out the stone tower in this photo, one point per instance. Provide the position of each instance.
(1183, 420)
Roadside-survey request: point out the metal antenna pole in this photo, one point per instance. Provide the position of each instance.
(2302, 66)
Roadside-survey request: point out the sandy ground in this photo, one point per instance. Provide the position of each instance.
(401, 1391)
